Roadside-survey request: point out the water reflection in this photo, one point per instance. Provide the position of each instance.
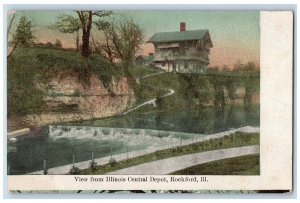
(204, 121)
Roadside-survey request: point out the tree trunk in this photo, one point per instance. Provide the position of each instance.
(86, 32)
(85, 52)
(77, 40)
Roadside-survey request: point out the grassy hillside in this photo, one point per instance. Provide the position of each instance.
(193, 90)
(243, 165)
(29, 66)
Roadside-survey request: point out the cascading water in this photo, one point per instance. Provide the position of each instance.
(132, 137)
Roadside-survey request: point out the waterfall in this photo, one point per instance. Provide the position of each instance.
(132, 137)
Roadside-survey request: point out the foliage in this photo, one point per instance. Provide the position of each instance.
(23, 96)
(45, 171)
(74, 170)
(93, 165)
(68, 24)
(23, 34)
(112, 161)
(198, 90)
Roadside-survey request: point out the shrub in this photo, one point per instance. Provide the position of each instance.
(74, 170)
(93, 165)
(112, 161)
(45, 171)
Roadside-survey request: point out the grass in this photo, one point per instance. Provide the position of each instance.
(242, 165)
(237, 139)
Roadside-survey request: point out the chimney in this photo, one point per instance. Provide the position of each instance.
(182, 26)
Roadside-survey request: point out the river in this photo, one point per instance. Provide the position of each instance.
(58, 143)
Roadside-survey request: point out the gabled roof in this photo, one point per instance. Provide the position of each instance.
(178, 36)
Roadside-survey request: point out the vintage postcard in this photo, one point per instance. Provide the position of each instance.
(149, 100)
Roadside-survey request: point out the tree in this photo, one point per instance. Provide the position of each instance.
(105, 48)
(68, 24)
(23, 33)
(86, 19)
(123, 39)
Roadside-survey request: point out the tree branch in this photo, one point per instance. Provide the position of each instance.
(10, 24)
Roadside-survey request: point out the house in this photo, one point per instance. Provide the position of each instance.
(182, 51)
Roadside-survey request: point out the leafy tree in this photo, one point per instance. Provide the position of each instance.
(23, 33)
(68, 24)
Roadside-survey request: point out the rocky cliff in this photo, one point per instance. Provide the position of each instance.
(69, 99)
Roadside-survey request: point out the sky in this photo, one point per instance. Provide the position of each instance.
(235, 34)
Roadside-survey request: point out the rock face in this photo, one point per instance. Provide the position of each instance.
(69, 99)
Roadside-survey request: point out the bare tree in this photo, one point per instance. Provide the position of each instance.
(122, 40)
(104, 48)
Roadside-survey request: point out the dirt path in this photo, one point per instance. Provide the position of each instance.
(169, 165)
(151, 101)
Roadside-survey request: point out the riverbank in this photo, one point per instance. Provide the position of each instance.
(170, 165)
(124, 156)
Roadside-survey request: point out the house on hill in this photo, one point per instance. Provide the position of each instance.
(182, 51)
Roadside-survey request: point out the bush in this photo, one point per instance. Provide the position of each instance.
(93, 165)
(112, 161)
(45, 171)
(74, 170)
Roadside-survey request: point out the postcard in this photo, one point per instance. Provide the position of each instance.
(101, 100)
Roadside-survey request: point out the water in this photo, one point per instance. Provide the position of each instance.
(58, 143)
(203, 121)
